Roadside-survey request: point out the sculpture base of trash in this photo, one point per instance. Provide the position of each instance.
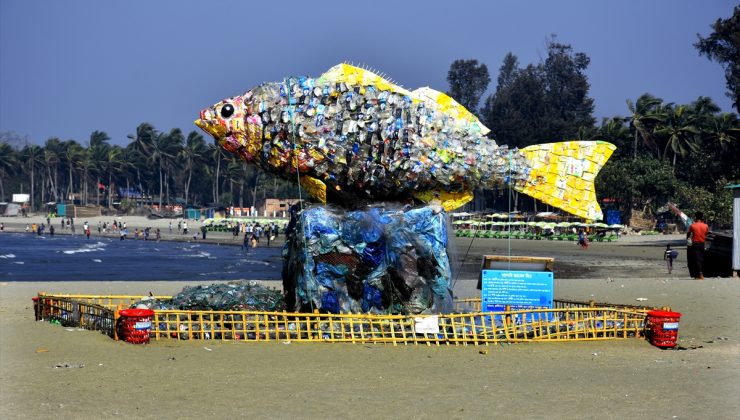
(378, 260)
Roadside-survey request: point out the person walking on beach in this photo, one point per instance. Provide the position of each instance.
(159, 235)
(179, 227)
(245, 244)
(170, 227)
(51, 230)
(184, 227)
(582, 239)
(669, 256)
(27, 228)
(697, 234)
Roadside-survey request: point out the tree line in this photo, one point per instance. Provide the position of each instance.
(164, 167)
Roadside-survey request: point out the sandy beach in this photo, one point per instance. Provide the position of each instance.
(196, 379)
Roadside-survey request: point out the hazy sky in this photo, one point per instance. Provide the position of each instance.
(68, 68)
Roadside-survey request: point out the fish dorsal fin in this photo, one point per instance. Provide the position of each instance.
(353, 75)
(448, 105)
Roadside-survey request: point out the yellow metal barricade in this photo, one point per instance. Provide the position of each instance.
(567, 321)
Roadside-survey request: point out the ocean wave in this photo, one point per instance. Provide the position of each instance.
(202, 254)
(7, 256)
(98, 246)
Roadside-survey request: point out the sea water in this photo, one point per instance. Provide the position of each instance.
(30, 257)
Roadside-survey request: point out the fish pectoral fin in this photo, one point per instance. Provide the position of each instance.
(315, 187)
(562, 175)
(448, 200)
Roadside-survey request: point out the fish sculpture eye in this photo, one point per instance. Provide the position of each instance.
(227, 111)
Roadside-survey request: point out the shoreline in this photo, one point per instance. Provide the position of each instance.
(18, 224)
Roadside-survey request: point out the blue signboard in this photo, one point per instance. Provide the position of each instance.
(518, 289)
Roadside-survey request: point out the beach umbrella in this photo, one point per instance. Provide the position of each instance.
(564, 224)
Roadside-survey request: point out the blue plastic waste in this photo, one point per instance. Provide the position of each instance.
(377, 260)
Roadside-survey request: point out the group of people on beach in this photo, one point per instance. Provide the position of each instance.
(253, 232)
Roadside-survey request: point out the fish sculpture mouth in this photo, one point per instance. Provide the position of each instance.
(218, 131)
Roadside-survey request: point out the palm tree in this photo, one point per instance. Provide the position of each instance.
(112, 163)
(587, 133)
(53, 150)
(71, 153)
(193, 154)
(724, 129)
(235, 174)
(680, 132)
(616, 132)
(140, 144)
(32, 157)
(160, 151)
(8, 162)
(216, 155)
(174, 143)
(98, 153)
(704, 108)
(86, 163)
(646, 114)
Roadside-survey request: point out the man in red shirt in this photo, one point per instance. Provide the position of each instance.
(695, 252)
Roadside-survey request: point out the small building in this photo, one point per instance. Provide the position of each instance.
(735, 227)
(278, 207)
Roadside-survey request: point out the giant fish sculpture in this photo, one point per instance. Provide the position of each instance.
(351, 136)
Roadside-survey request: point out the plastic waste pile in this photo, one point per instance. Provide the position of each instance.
(232, 296)
(372, 261)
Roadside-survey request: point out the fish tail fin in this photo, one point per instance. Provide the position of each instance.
(562, 175)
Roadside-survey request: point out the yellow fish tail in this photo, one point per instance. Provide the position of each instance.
(562, 175)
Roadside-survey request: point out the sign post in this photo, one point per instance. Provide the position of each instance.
(516, 289)
(516, 283)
